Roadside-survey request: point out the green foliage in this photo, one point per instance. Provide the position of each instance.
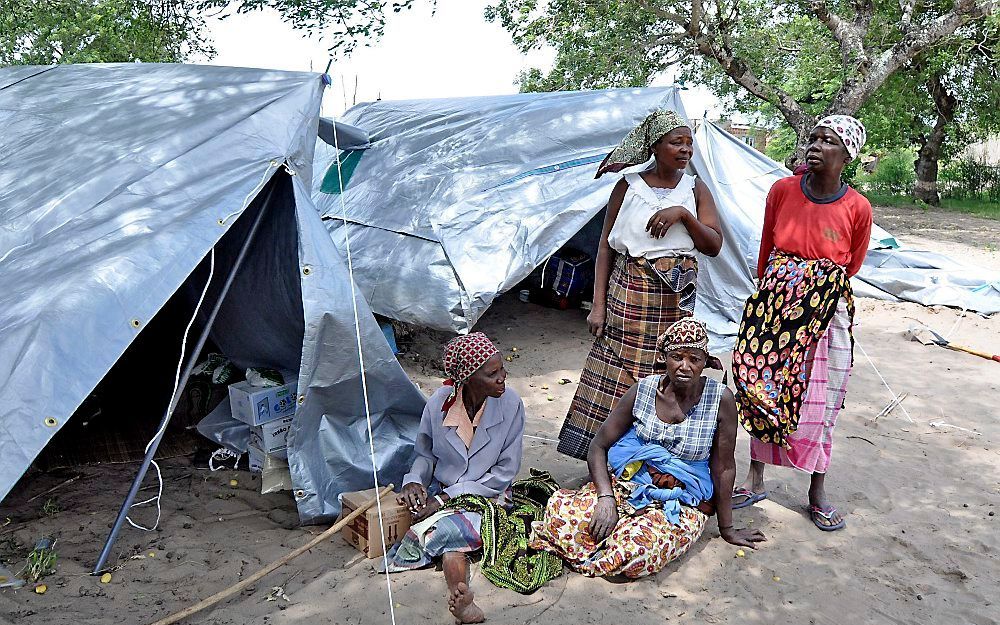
(770, 57)
(599, 44)
(51, 507)
(970, 179)
(39, 563)
(781, 144)
(981, 208)
(43, 32)
(346, 23)
(894, 174)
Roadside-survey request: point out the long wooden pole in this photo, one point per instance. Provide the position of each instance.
(238, 587)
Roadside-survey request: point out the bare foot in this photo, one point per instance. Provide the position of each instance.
(463, 607)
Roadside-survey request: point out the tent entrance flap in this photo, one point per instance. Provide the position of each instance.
(188, 362)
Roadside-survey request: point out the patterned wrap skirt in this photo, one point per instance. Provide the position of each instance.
(642, 543)
(810, 446)
(781, 328)
(644, 298)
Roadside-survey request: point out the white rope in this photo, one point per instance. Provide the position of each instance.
(895, 397)
(253, 192)
(361, 366)
(177, 380)
(542, 438)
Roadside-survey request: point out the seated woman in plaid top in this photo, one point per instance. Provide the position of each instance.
(657, 463)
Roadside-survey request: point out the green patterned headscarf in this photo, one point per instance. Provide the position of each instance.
(635, 147)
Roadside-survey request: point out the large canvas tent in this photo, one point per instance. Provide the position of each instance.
(117, 183)
(457, 200)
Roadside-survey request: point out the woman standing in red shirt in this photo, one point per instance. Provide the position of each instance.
(794, 351)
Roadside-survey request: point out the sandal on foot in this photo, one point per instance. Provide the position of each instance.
(826, 513)
(751, 497)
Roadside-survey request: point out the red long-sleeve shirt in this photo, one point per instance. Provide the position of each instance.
(795, 224)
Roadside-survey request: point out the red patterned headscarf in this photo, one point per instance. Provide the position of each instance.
(463, 356)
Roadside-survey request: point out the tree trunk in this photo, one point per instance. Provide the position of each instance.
(802, 131)
(925, 188)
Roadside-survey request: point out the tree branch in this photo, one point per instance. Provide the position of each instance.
(850, 35)
(906, 49)
(906, 8)
(667, 16)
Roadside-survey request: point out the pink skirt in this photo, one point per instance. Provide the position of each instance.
(830, 367)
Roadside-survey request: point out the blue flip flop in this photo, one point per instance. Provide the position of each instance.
(826, 513)
(751, 497)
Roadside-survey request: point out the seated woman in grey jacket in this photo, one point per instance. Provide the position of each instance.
(469, 443)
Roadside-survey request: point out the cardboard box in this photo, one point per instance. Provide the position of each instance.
(272, 437)
(256, 458)
(255, 405)
(362, 532)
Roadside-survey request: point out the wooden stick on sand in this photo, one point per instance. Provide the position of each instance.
(232, 590)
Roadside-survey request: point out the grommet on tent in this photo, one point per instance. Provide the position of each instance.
(136, 323)
(50, 422)
(302, 399)
(221, 222)
(299, 493)
(307, 270)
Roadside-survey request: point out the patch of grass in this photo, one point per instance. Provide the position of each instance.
(51, 507)
(981, 208)
(39, 563)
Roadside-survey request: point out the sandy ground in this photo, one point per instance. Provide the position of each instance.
(920, 487)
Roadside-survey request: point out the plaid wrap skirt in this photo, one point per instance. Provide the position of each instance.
(640, 307)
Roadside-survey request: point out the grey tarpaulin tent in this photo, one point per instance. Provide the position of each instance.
(457, 200)
(116, 182)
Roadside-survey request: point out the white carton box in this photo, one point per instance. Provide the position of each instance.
(272, 437)
(256, 459)
(255, 405)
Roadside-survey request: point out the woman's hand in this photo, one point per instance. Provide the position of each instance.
(430, 508)
(604, 518)
(414, 497)
(595, 321)
(662, 219)
(742, 537)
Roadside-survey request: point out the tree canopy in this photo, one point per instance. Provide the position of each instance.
(42, 32)
(799, 59)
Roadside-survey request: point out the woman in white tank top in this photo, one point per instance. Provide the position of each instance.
(646, 270)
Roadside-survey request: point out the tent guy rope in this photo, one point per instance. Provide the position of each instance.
(361, 366)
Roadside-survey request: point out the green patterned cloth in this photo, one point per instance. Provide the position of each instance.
(507, 560)
(635, 148)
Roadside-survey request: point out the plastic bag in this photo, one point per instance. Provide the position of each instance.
(217, 367)
(264, 378)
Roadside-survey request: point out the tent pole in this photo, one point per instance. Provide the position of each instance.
(192, 359)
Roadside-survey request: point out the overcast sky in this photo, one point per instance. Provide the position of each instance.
(453, 52)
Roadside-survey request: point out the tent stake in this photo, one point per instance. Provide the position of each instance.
(192, 359)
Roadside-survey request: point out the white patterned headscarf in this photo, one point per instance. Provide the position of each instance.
(851, 131)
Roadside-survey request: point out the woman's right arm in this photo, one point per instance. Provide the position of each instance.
(605, 515)
(415, 483)
(605, 261)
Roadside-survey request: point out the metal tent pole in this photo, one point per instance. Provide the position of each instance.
(192, 359)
